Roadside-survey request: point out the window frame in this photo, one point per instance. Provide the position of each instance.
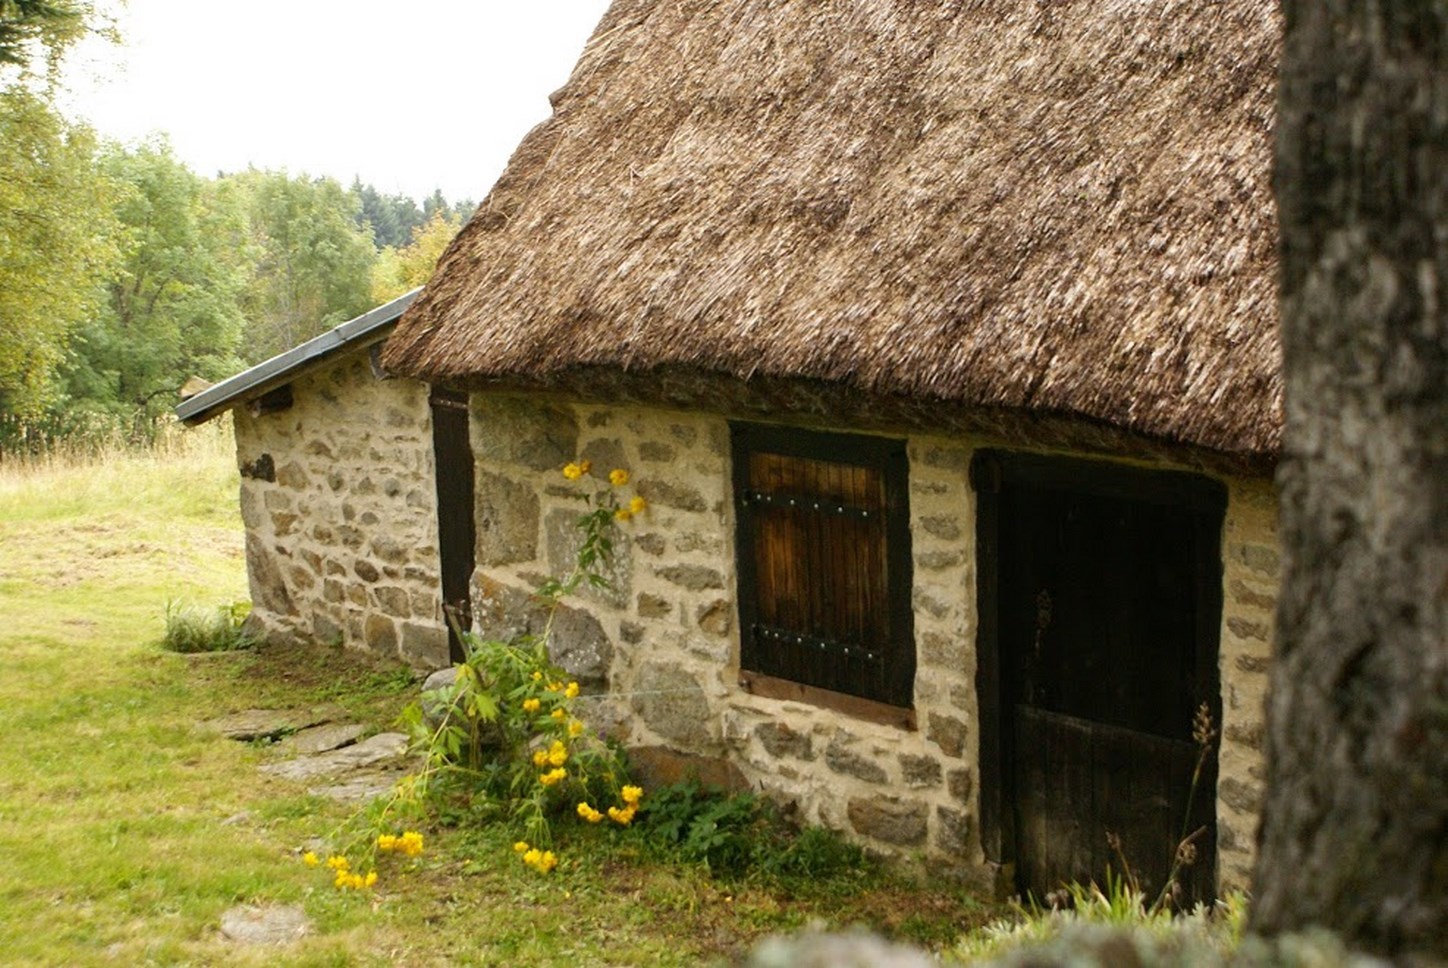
(886, 455)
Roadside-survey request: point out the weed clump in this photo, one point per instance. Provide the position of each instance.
(190, 629)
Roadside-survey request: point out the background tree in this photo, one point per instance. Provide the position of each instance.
(313, 261)
(46, 27)
(398, 270)
(174, 308)
(1355, 825)
(57, 243)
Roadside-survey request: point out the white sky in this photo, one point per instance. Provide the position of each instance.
(408, 96)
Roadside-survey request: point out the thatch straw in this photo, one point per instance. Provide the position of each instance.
(1058, 206)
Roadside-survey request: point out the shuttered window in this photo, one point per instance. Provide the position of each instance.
(824, 561)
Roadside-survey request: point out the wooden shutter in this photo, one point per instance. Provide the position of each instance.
(824, 563)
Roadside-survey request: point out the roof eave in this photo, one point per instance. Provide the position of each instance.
(368, 328)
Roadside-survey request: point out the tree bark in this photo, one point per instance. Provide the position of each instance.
(1355, 824)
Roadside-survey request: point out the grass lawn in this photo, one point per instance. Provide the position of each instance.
(126, 829)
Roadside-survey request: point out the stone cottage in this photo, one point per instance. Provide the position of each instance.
(941, 340)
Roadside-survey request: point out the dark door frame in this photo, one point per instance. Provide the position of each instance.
(456, 531)
(990, 473)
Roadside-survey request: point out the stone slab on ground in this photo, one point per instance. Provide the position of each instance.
(250, 724)
(359, 787)
(267, 924)
(370, 752)
(321, 739)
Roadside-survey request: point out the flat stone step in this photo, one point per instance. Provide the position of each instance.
(265, 925)
(370, 752)
(250, 724)
(359, 787)
(321, 739)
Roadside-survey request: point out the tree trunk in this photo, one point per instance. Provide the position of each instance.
(1355, 825)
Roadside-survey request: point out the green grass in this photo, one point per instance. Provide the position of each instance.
(126, 829)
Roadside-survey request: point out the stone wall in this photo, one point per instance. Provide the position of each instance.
(660, 651)
(339, 503)
(1250, 580)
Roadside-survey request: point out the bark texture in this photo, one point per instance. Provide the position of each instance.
(1355, 827)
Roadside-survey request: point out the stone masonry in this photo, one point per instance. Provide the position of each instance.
(660, 648)
(339, 503)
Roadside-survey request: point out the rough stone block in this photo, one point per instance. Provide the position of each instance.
(605, 455)
(948, 733)
(653, 544)
(657, 766)
(952, 831)
(393, 601)
(424, 646)
(693, 577)
(670, 702)
(631, 632)
(578, 644)
(840, 758)
(779, 740)
(564, 540)
(507, 515)
(268, 589)
(960, 784)
(380, 634)
(938, 560)
(672, 495)
(942, 650)
(716, 617)
(521, 431)
(365, 570)
(653, 606)
(1241, 796)
(655, 452)
(920, 771)
(940, 526)
(890, 820)
(292, 475)
(1247, 629)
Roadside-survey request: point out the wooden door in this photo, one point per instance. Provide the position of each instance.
(1106, 595)
(453, 459)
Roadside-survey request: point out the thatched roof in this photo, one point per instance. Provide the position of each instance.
(1053, 206)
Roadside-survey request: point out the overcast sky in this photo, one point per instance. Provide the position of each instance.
(411, 97)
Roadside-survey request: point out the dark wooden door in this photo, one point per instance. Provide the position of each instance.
(453, 458)
(1106, 599)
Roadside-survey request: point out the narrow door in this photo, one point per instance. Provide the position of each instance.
(1107, 597)
(453, 456)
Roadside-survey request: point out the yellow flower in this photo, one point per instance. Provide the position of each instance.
(621, 817)
(572, 471)
(622, 514)
(572, 691)
(540, 758)
(588, 813)
(521, 846)
(557, 753)
(553, 776)
(371, 878)
(631, 795)
(575, 729)
(554, 686)
(536, 676)
(386, 842)
(531, 705)
(410, 843)
(585, 466)
(337, 862)
(558, 714)
(618, 477)
(637, 505)
(532, 857)
(547, 862)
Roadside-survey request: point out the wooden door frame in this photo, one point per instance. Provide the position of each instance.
(990, 472)
(444, 401)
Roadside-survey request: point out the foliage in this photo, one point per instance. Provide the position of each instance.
(223, 629)
(58, 243)
(400, 270)
(174, 309)
(1032, 931)
(49, 25)
(313, 262)
(736, 834)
